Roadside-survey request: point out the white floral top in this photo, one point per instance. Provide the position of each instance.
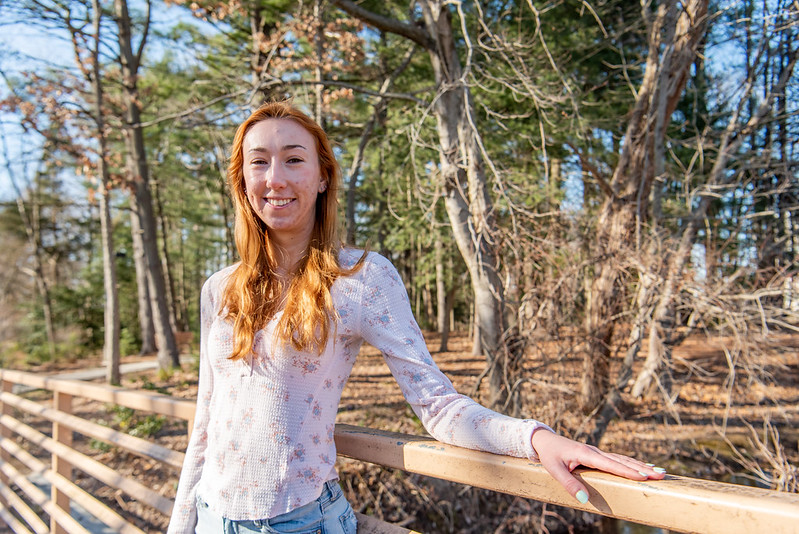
(262, 442)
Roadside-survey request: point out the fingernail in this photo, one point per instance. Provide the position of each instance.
(642, 474)
(650, 465)
(658, 470)
(582, 497)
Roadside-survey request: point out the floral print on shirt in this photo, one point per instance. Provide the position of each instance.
(266, 424)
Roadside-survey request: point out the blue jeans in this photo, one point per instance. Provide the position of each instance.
(329, 514)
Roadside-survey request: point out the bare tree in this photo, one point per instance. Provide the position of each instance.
(468, 202)
(675, 33)
(111, 317)
(138, 173)
(663, 320)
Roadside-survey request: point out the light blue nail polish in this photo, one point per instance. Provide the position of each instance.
(658, 470)
(642, 474)
(582, 497)
(650, 465)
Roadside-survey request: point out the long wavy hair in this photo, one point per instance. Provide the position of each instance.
(254, 293)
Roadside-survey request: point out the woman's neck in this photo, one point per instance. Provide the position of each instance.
(289, 255)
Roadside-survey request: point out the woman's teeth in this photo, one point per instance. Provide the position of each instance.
(278, 201)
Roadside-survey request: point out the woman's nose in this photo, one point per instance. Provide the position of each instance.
(275, 177)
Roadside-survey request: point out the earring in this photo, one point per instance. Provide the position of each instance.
(323, 187)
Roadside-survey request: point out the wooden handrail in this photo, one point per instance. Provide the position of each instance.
(676, 503)
(130, 398)
(138, 446)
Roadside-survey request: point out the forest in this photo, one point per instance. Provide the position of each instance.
(595, 184)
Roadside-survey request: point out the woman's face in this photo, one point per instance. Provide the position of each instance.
(282, 177)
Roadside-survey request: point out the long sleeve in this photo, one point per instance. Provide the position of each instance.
(184, 513)
(387, 323)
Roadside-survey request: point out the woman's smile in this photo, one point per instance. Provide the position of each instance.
(279, 202)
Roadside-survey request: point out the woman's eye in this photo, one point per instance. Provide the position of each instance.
(295, 160)
(258, 162)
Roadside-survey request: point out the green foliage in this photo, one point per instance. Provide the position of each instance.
(100, 446)
(134, 423)
(165, 374)
(548, 84)
(128, 344)
(151, 386)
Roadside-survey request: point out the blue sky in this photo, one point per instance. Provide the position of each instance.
(24, 47)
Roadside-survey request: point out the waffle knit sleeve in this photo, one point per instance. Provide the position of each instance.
(388, 324)
(184, 512)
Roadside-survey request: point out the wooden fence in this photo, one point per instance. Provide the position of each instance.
(676, 503)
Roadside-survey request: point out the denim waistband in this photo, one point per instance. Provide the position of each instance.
(331, 491)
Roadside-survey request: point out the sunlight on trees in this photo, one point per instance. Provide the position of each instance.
(607, 178)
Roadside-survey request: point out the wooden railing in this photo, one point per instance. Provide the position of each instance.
(676, 503)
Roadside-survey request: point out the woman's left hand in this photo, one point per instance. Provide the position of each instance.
(560, 456)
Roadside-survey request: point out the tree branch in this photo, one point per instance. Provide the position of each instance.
(192, 110)
(347, 85)
(409, 31)
(144, 34)
(604, 185)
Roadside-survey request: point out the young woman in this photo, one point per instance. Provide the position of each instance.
(280, 331)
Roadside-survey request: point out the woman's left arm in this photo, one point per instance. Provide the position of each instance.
(387, 323)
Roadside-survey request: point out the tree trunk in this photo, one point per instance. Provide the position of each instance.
(378, 115)
(139, 182)
(355, 169)
(466, 188)
(111, 354)
(224, 199)
(467, 199)
(176, 321)
(319, 48)
(442, 305)
(146, 326)
(32, 232)
(675, 34)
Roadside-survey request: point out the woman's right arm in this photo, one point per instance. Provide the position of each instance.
(184, 512)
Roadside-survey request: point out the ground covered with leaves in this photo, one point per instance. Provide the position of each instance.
(733, 415)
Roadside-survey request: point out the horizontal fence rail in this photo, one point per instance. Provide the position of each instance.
(676, 503)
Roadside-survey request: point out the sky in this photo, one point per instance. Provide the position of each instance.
(23, 47)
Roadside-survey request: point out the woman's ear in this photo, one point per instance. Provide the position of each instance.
(322, 186)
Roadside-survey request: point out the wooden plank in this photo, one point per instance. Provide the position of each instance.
(40, 498)
(138, 400)
(5, 386)
(139, 446)
(62, 402)
(76, 493)
(675, 503)
(371, 525)
(16, 525)
(95, 469)
(25, 512)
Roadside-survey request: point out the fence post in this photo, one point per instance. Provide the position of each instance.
(7, 387)
(61, 434)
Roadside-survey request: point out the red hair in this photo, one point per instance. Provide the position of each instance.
(253, 294)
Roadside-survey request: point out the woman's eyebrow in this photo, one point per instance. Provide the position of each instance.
(290, 147)
(283, 148)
